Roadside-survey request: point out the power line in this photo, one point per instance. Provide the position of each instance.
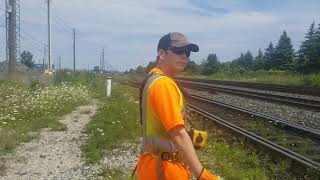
(59, 21)
(64, 23)
(35, 46)
(32, 38)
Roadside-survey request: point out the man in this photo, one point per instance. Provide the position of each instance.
(167, 150)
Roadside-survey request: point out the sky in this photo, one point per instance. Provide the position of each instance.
(129, 30)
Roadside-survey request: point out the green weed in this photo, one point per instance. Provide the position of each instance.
(28, 108)
(115, 122)
(263, 76)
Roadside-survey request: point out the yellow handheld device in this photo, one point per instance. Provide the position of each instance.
(199, 138)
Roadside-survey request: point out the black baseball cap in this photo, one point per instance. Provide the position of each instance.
(176, 40)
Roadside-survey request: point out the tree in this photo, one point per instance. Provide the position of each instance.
(318, 46)
(96, 68)
(258, 62)
(284, 53)
(309, 53)
(248, 57)
(140, 70)
(192, 67)
(245, 61)
(26, 59)
(151, 65)
(211, 65)
(268, 57)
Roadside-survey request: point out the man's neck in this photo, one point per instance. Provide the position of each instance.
(166, 71)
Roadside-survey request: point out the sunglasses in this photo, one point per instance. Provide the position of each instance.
(180, 51)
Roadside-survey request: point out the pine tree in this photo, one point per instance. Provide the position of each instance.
(248, 60)
(192, 67)
(310, 38)
(284, 53)
(240, 61)
(308, 55)
(211, 65)
(258, 62)
(317, 38)
(245, 61)
(268, 57)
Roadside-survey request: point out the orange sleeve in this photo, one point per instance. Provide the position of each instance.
(165, 102)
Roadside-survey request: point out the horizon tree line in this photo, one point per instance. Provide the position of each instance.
(282, 56)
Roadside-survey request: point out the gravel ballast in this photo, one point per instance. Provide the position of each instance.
(54, 154)
(301, 116)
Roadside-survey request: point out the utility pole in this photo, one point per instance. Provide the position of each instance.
(12, 36)
(44, 58)
(103, 59)
(49, 35)
(74, 49)
(54, 67)
(6, 16)
(100, 66)
(18, 30)
(59, 65)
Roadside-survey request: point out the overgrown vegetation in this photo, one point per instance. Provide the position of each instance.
(27, 108)
(263, 76)
(115, 122)
(95, 82)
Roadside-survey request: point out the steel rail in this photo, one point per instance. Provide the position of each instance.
(266, 143)
(294, 101)
(311, 132)
(262, 86)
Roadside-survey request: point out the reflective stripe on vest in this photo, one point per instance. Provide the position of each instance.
(155, 137)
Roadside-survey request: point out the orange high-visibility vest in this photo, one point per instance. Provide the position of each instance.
(159, 115)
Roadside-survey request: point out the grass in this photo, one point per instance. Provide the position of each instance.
(95, 82)
(115, 174)
(25, 108)
(115, 122)
(28, 108)
(262, 76)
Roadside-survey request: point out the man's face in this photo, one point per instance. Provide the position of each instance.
(176, 59)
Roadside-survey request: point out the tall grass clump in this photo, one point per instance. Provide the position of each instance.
(94, 82)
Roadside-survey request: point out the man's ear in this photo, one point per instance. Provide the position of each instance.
(161, 54)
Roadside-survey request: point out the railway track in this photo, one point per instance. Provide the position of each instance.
(310, 104)
(297, 144)
(261, 86)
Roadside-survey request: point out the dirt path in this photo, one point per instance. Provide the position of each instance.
(54, 154)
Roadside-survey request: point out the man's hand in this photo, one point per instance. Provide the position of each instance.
(206, 175)
(185, 147)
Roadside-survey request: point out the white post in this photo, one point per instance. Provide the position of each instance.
(108, 86)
